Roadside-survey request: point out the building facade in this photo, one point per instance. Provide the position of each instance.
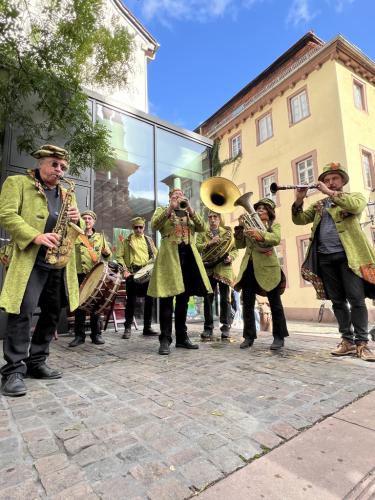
(313, 105)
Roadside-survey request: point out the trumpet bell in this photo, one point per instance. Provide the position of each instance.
(219, 194)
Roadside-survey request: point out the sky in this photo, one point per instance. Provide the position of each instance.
(211, 49)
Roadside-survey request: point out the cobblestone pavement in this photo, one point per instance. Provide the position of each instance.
(126, 423)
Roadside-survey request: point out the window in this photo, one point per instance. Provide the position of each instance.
(368, 169)
(264, 128)
(359, 95)
(235, 145)
(305, 171)
(281, 255)
(298, 107)
(266, 183)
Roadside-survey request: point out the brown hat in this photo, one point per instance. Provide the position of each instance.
(50, 150)
(334, 168)
(90, 213)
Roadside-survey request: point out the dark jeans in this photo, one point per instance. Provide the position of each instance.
(343, 287)
(225, 307)
(80, 319)
(180, 313)
(46, 289)
(134, 290)
(249, 290)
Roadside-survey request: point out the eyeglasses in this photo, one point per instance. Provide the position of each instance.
(138, 227)
(57, 164)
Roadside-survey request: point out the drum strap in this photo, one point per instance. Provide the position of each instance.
(89, 247)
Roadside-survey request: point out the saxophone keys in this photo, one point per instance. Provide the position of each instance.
(52, 259)
(63, 250)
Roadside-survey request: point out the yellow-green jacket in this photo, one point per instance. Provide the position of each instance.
(346, 214)
(221, 271)
(125, 252)
(100, 248)
(166, 279)
(23, 214)
(267, 268)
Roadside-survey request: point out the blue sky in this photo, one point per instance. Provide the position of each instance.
(210, 49)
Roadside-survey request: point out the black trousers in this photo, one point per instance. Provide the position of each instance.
(343, 287)
(249, 290)
(180, 313)
(134, 290)
(46, 289)
(80, 319)
(225, 307)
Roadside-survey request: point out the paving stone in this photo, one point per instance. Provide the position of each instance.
(119, 488)
(36, 434)
(108, 430)
(284, 430)
(78, 443)
(211, 442)
(199, 473)
(107, 468)
(27, 489)
(42, 447)
(225, 459)
(90, 455)
(71, 431)
(60, 480)
(51, 463)
(168, 489)
(79, 491)
(8, 445)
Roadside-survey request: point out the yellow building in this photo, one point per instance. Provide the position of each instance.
(313, 105)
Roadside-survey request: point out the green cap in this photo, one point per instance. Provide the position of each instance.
(334, 168)
(265, 201)
(138, 221)
(90, 213)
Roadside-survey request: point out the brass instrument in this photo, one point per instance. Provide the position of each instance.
(60, 255)
(214, 254)
(183, 203)
(275, 187)
(223, 196)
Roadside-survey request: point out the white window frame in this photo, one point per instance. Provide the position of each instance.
(265, 128)
(299, 107)
(309, 171)
(359, 95)
(367, 168)
(266, 183)
(235, 145)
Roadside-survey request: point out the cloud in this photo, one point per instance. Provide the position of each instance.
(340, 5)
(193, 10)
(300, 12)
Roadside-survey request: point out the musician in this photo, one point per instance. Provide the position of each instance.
(29, 209)
(178, 270)
(339, 259)
(133, 253)
(220, 273)
(261, 274)
(89, 248)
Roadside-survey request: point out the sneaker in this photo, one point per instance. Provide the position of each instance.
(246, 343)
(344, 348)
(13, 385)
(364, 352)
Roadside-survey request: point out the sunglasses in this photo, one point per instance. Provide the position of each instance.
(57, 164)
(138, 227)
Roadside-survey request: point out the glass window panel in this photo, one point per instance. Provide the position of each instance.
(305, 171)
(236, 146)
(182, 158)
(267, 181)
(299, 107)
(265, 128)
(128, 190)
(366, 162)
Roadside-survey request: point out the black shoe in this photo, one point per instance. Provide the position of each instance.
(187, 344)
(13, 385)
(76, 341)
(246, 343)
(150, 332)
(43, 371)
(278, 343)
(127, 333)
(164, 346)
(225, 335)
(206, 334)
(98, 340)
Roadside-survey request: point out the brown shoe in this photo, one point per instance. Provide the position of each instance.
(344, 348)
(364, 352)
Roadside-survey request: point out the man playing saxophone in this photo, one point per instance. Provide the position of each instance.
(29, 209)
(216, 247)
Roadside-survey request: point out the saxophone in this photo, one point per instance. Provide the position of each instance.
(59, 256)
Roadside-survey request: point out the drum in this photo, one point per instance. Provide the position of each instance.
(99, 288)
(144, 274)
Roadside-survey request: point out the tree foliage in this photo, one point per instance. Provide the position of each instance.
(48, 55)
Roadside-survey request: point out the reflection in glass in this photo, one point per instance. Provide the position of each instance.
(128, 190)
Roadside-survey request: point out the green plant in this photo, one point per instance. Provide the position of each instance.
(217, 165)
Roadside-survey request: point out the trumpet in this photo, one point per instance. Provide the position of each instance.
(183, 203)
(275, 187)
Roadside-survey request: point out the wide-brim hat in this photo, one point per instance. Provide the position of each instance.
(267, 202)
(90, 213)
(48, 150)
(334, 168)
(138, 221)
